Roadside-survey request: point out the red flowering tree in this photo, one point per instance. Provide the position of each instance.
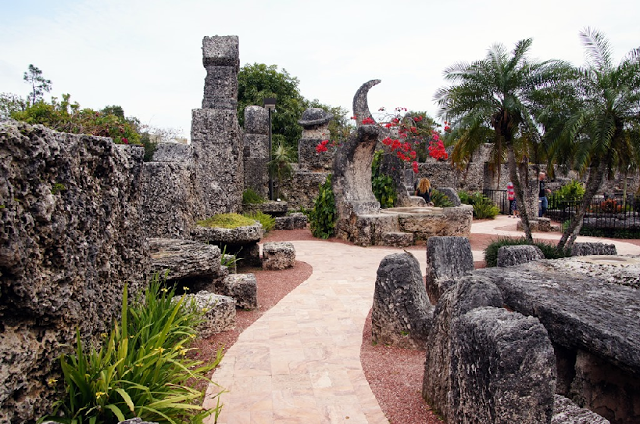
(411, 133)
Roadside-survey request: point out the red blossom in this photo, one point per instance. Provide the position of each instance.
(354, 117)
(125, 140)
(368, 121)
(414, 165)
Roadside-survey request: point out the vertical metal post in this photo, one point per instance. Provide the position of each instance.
(270, 159)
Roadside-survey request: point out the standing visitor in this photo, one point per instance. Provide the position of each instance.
(542, 195)
(511, 195)
(424, 190)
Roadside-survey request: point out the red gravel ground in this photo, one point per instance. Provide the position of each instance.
(395, 375)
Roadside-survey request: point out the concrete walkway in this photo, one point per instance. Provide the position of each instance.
(300, 362)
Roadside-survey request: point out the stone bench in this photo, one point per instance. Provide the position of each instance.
(278, 255)
(397, 239)
(586, 249)
(295, 221)
(186, 263)
(240, 241)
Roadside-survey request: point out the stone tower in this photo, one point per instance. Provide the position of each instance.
(216, 136)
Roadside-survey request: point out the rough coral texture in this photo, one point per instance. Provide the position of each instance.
(295, 221)
(567, 412)
(468, 294)
(447, 259)
(71, 237)
(589, 306)
(243, 288)
(401, 313)
(278, 255)
(256, 149)
(585, 249)
(515, 255)
(503, 368)
(219, 311)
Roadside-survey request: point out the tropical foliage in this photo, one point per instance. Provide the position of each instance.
(142, 369)
(492, 100)
(322, 218)
(383, 186)
(594, 125)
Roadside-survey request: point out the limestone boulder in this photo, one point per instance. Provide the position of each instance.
(241, 287)
(503, 368)
(294, 221)
(566, 411)
(590, 248)
(278, 255)
(219, 311)
(515, 255)
(447, 259)
(71, 235)
(401, 313)
(469, 293)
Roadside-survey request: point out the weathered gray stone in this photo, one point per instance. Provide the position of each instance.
(71, 236)
(169, 199)
(519, 254)
(256, 149)
(219, 311)
(221, 59)
(295, 221)
(433, 221)
(567, 412)
(585, 249)
(367, 229)
(278, 255)
(273, 208)
(243, 288)
(401, 313)
(451, 194)
(173, 152)
(503, 368)
(469, 293)
(589, 305)
(187, 262)
(315, 124)
(239, 235)
(448, 258)
(397, 239)
(303, 188)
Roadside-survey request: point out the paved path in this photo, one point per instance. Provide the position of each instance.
(300, 362)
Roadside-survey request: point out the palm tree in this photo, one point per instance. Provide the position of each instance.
(498, 93)
(599, 129)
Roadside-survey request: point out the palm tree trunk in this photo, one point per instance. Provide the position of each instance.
(520, 193)
(596, 175)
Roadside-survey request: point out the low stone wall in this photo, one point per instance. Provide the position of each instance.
(71, 237)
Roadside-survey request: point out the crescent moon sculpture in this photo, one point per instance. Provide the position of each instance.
(360, 103)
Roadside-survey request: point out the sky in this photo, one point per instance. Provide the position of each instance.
(145, 55)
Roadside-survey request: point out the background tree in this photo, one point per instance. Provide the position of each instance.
(594, 124)
(259, 81)
(498, 93)
(10, 103)
(39, 85)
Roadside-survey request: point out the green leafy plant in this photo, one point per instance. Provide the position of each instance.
(483, 207)
(226, 220)
(251, 197)
(549, 251)
(440, 200)
(230, 261)
(280, 166)
(569, 192)
(322, 218)
(384, 189)
(268, 222)
(140, 370)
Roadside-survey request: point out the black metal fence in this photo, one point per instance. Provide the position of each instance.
(605, 216)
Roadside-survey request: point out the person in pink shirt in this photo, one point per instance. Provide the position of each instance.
(511, 195)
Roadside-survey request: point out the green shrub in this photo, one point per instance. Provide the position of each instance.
(550, 251)
(268, 222)
(226, 220)
(440, 200)
(250, 197)
(323, 215)
(384, 189)
(568, 192)
(483, 207)
(140, 370)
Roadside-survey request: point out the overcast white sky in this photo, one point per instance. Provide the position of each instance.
(146, 55)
